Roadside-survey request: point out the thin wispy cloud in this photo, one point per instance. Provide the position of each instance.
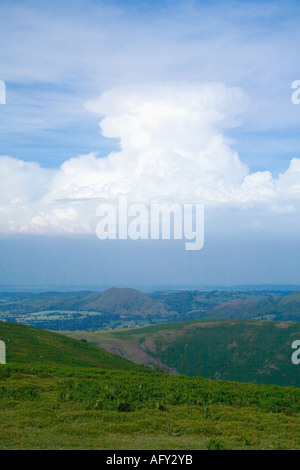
(94, 48)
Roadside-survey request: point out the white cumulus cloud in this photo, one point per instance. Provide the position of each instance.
(172, 147)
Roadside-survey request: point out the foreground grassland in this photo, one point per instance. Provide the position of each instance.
(48, 407)
(60, 393)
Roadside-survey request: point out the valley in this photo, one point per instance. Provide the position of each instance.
(237, 350)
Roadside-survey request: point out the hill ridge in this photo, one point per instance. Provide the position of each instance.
(28, 345)
(247, 350)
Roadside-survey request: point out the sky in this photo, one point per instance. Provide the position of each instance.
(183, 102)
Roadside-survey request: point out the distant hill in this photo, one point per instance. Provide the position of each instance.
(286, 308)
(235, 308)
(192, 305)
(237, 350)
(29, 345)
(124, 301)
(115, 307)
(127, 308)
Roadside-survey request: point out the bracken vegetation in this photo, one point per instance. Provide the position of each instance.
(105, 402)
(47, 407)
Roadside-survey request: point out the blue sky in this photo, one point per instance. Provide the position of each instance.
(56, 55)
(65, 62)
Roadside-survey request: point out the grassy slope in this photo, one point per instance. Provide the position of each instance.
(27, 345)
(239, 350)
(47, 405)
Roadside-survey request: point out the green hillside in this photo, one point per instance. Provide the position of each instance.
(47, 407)
(47, 402)
(29, 345)
(239, 350)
